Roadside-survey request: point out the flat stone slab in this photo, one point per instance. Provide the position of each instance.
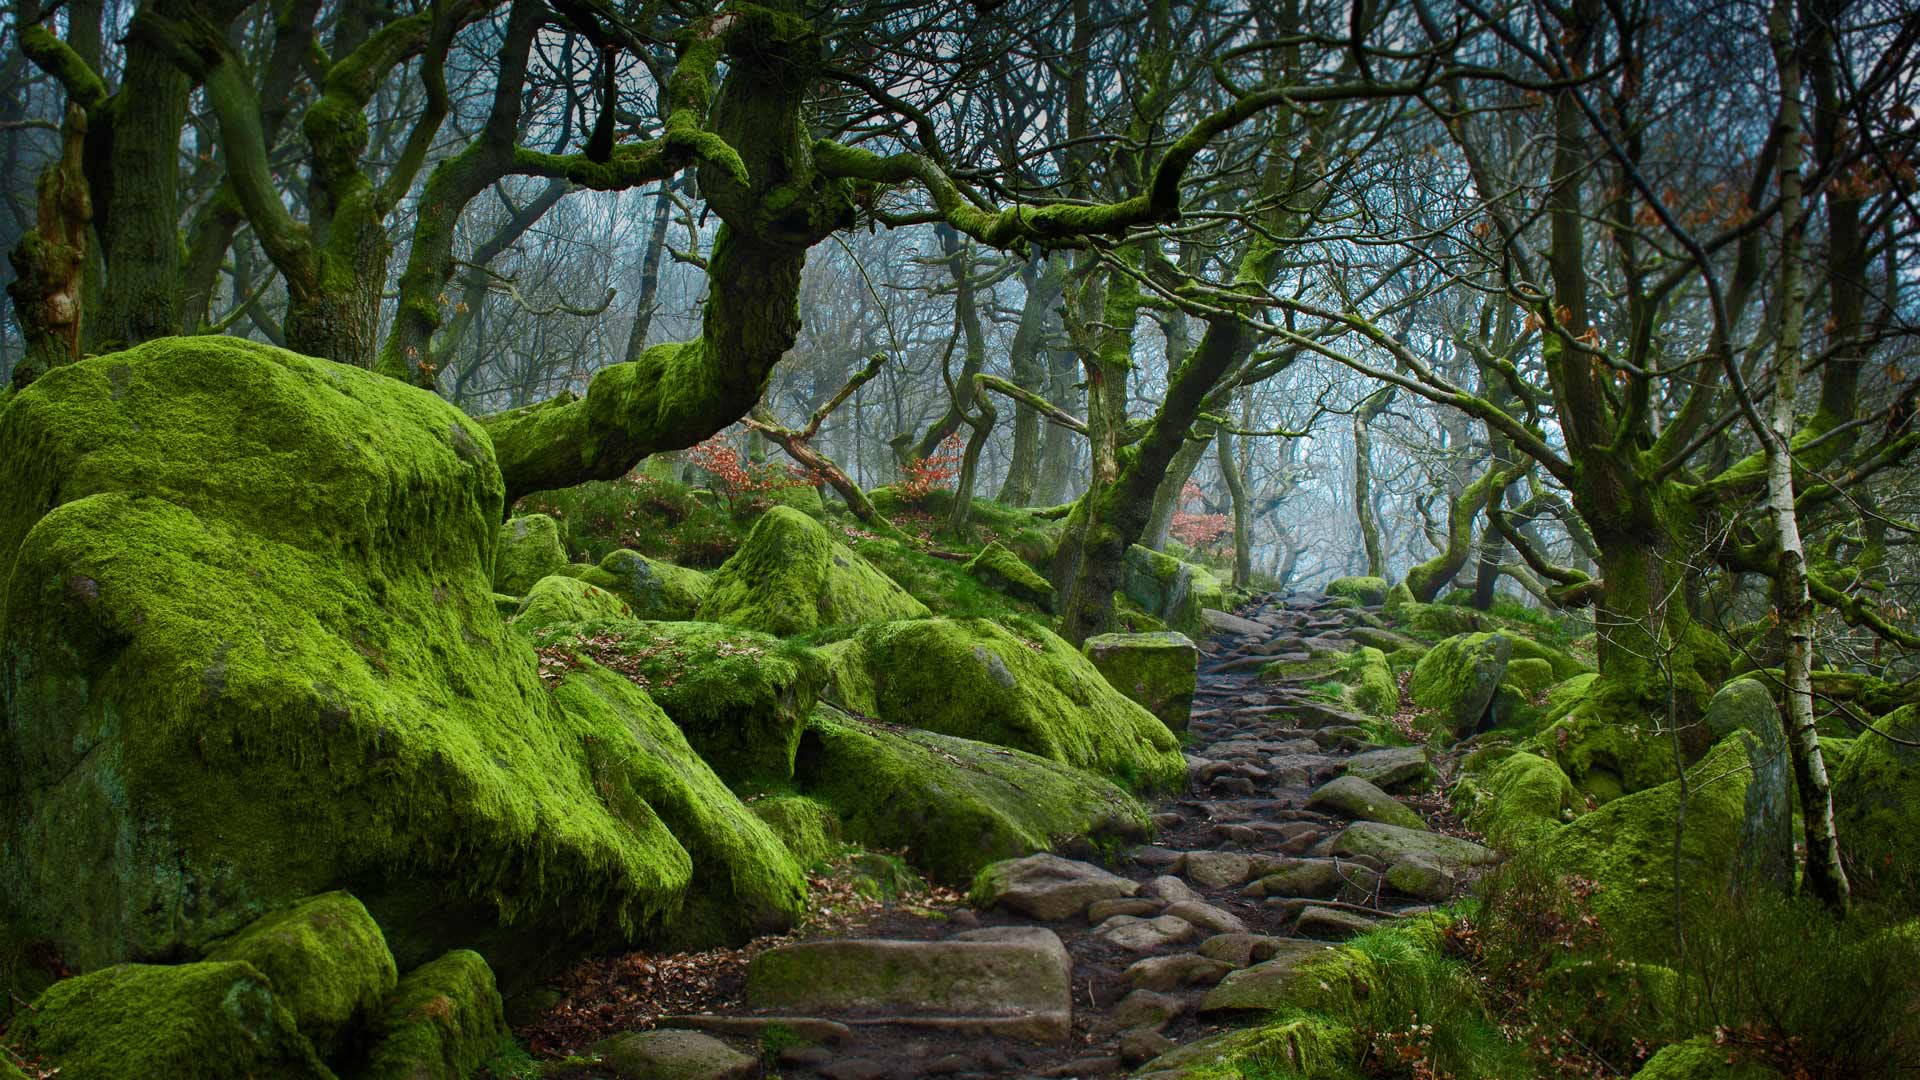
(811, 1028)
(1391, 844)
(1390, 767)
(1264, 986)
(1351, 797)
(1331, 924)
(1013, 981)
(1173, 972)
(674, 1055)
(1207, 917)
(1223, 623)
(1048, 887)
(1241, 950)
(1215, 869)
(1136, 934)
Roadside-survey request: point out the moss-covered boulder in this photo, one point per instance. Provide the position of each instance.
(1016, 685)
(1172, 591)
(1528, 674)
(221, 1021)
(1367, 590)
(1515, 799)
(1737, 825)
(442, 1022)
(1457, 680)
(529, 549)
(791, 576)
(1370, 682)
(1605, 743)
(953, 805)
(652, 589)
(558, 600)
(1701, 1058)
(810, 828)
(1876, 808)
(327, 960)
(998, 567)
(740, 697)
(253, 655)
(744, 881)
(1160, 671)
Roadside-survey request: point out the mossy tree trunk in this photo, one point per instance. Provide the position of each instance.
(1043, 283)
(1370, 409)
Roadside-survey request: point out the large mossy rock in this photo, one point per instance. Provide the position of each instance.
(1017, 685)
(998, 567)
(651, 588)
(327, 960)
(1159, 671)
(556, 600)
(442, 1022)
(253, 655)
(1457, 680)
(1738, 832)
(1876, 809)
(1172, 591)
(1514, 799)
(741, 697)
(1605, 742)
(1371, 686)
(953, 805)
(529, 549)
(1366, 590)
(792, 576)
(220, 1021)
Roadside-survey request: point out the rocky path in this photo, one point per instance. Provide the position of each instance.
(1289, 836)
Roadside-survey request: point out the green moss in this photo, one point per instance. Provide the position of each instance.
(1515, 800)
(740, 697)
(809, 827)
(791, 576)
(1022, 530)
(1159, 671)
(1016, 685)
(443, 1022)
(1607, 745)
(529, 549)
(1457, 678)
(1527, 674)
(1627, 847)
(254, 655)
(1318, 666)
(558, 601)
(1128, 616)
(651, 588)
(134, 1021)
(1701, 1058)
(1564, 695)
(1370, 677)
(1367, 590)
(944, 586)
(1172, 591)
(953, 805)
(1876, 805)
(1000, 568)
(746, 881)
(327, 960)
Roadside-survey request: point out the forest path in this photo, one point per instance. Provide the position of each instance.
(1242, 872)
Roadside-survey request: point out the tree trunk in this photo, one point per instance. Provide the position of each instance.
(50, 262)
(1242, 517)
(1826, 878)
(1058, 445)
(1167, 499)
(1043, 285)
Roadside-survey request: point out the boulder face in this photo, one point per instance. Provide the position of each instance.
(998, 567)
(1457, 679)
(132, 1021)
(1737, 824)
(1876, 809)
(1366, 590)
(791, 576)
(529, 549)
(327, 960)
(1159, 671)
(954, 805)
(651, 588)
(1017, 685)
(442, 1022)
(741, 698)
(1172, 591)
(253, 655)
